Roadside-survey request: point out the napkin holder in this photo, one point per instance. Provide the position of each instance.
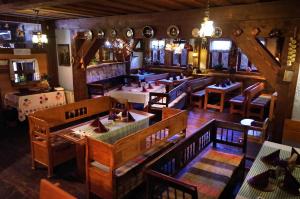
(262, 181)
(272, 159)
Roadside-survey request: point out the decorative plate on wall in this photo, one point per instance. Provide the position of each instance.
(218, 32)
(148, 32)
(101, 34)
(128, 32)
(113, 33)
(195, 32)
(173, 31)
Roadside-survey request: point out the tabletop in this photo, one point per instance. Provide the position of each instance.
(227, 88)
(117, 129)
(134, 94)
(248, 192)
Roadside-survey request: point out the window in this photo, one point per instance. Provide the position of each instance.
(157, 51)
(219, 53)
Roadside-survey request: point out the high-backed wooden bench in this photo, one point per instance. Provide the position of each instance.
(238, 104)
(176, 98)
(113, 169)
(257, 102)
(153, 78)
(49, 149)
(196, 88)
(195, 167)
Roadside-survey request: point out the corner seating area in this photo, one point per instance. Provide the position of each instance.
(184, 170)
(112, 169)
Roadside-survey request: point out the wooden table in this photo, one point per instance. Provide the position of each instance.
(223, 91)
(116, 132)
(170, 83)
(248, 192)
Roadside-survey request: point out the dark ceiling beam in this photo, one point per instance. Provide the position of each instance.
(170, 4)
(142, 4)
(70, 12)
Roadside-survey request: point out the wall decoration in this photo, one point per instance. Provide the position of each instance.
(4, 66)
(148, 32)
(173, 31)
(88, 35)
(195, 32)
(101, 34)
(291, 58)
(128, 32)
(218, 32)
(63, 54)
(113, 33)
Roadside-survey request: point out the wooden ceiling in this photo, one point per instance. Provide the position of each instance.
(67, 9)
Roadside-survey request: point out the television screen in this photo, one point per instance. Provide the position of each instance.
(5, 35)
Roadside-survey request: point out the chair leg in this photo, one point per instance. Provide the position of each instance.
(50, 171)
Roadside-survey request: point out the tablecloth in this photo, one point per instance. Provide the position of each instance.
(26, 104)
(134, 94)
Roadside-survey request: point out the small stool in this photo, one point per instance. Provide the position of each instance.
(197, 99)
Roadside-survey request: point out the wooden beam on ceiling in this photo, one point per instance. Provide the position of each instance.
(70, 12)
(143, 4)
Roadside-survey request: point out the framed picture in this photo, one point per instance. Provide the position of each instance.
(4, 66)
(63, 54)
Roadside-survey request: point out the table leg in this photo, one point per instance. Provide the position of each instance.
(80, 160)
(222, 102)
(205, 100)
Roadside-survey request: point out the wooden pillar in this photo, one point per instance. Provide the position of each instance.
(49, 28)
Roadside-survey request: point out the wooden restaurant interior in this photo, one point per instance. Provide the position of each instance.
(126, 99)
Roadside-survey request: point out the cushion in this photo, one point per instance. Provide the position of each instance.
(260, 101)
(211, 172)
(238, 99)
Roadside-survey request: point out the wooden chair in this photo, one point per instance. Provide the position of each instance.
(291, 132)
(46, 148)
(258, 131)
(256, 101)
(52, 191)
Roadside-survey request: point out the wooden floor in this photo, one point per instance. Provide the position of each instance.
(18, 181)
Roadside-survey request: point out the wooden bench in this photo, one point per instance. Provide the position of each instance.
(176, 98)
(257, 102)
(52, 191)
(112, 170)
(153, 78)
(48, 148)
(238, 103)
(198, 167)
(196, 88)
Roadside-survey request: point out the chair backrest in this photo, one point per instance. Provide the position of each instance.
(156, 77)
(258, 131)
(291, 132)
(95, 89)
(51, 191)
(177, 91)
(120, 104)
(255, 91)
(249, 88)
(199, 83)
(75, 111)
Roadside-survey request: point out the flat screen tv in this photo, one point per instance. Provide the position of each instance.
(5, 35)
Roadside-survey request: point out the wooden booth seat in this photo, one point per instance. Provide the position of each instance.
(48, 148)
(176, 98)
(238, 103)
(257, 106)
(153, 78)
(205, 165)
(114, 169)
(196, 89)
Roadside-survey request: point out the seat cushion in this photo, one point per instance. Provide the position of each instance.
(240, 99)
(261, 101)
(211, 172)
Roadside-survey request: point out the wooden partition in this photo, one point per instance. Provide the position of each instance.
(75, 111)
(114, 158)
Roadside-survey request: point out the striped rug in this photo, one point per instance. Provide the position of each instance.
(211, 173)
